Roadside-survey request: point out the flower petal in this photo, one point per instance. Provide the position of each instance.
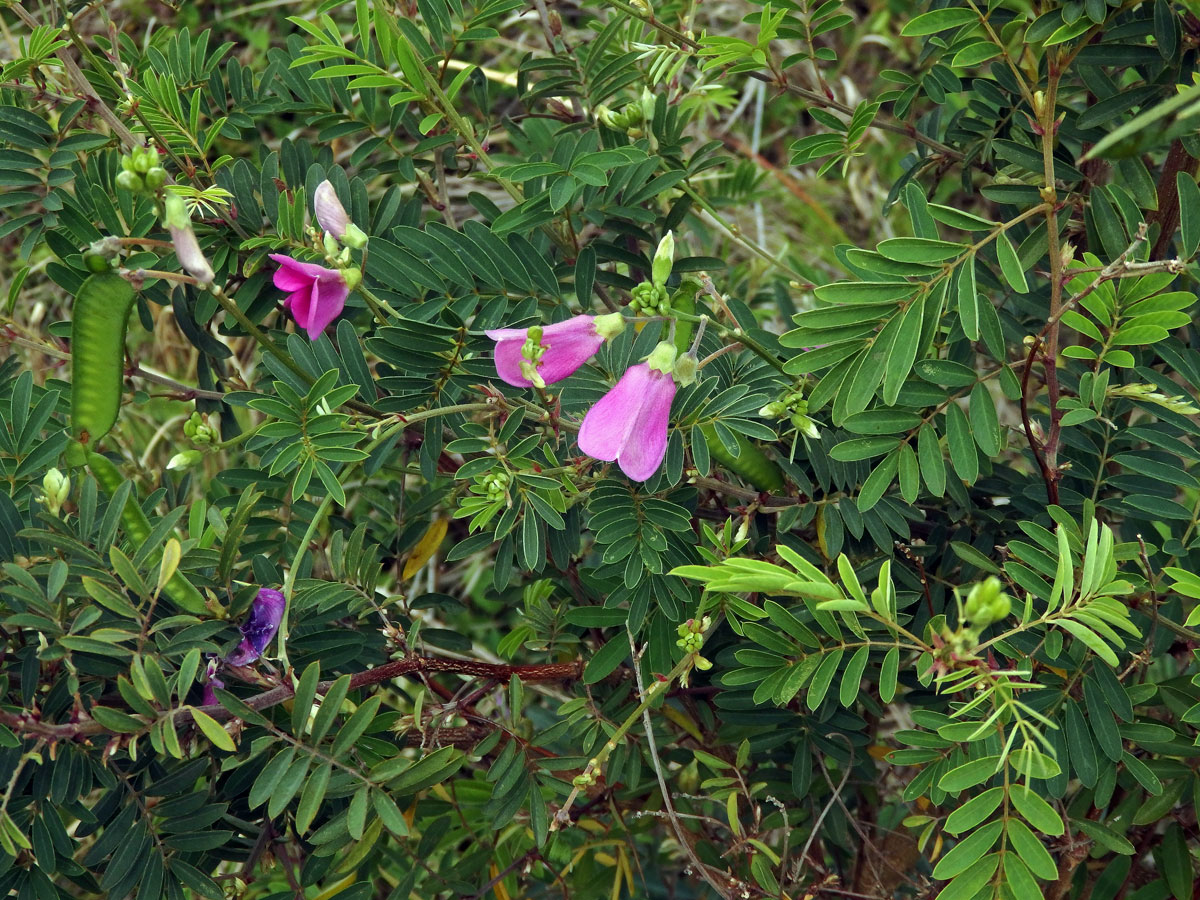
(257, 631)
(608, 424)
(292, 275)
(508, 359)
(643, 451)
(328, 301)
(567, 352)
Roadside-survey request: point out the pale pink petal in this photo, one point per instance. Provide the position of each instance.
(330, 213)
(607, 425)
(644, 449)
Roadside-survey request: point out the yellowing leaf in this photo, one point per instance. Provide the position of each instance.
(426, 547)
(172, 553)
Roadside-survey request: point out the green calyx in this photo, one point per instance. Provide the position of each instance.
(609, 326)
(662, 358)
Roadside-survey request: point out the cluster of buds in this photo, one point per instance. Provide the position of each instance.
(56, 487)
(494, 485)
(691, 639)
(631, 117)
(587, 777)
(986, 603)
(200, 430)
(140, 172)
(651, 296)
(793, 407)
(203, 432)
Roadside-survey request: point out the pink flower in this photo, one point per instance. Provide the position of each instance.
(316, 295)
(551, 352)
(629, 423)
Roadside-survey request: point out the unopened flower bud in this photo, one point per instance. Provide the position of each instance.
(648, 103)
(130, 181)
(184, 460)
(187, 248)
(773, 410)
(56, 487)
(664, 258)
(156, 177)
(330, 213)
(805, 426)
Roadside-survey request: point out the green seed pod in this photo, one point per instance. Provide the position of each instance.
(137, 528)
(752, 464)
(98, 322)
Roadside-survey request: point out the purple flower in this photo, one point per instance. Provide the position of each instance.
(211, 681)
(257, 631)
(629, 423)
(316, 295)
(546, 354)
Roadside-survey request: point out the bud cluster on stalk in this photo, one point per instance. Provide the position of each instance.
(140, 172)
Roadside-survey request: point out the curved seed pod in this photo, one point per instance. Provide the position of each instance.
(137, 527)
(752, 464)
(98, 321)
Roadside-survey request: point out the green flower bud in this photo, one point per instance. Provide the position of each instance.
(352, 278)
(130, 181)
(664, 258)
(806, 426)
(185, 460)
(773, 410)
(56, 487)
(143, 161)
(156, 177)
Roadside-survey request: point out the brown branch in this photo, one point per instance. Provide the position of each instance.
(1167, 215)
(86, 726)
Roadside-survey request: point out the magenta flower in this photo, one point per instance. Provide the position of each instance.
(257, 631)
(316, 295)
(629, 423)
(542, 355)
